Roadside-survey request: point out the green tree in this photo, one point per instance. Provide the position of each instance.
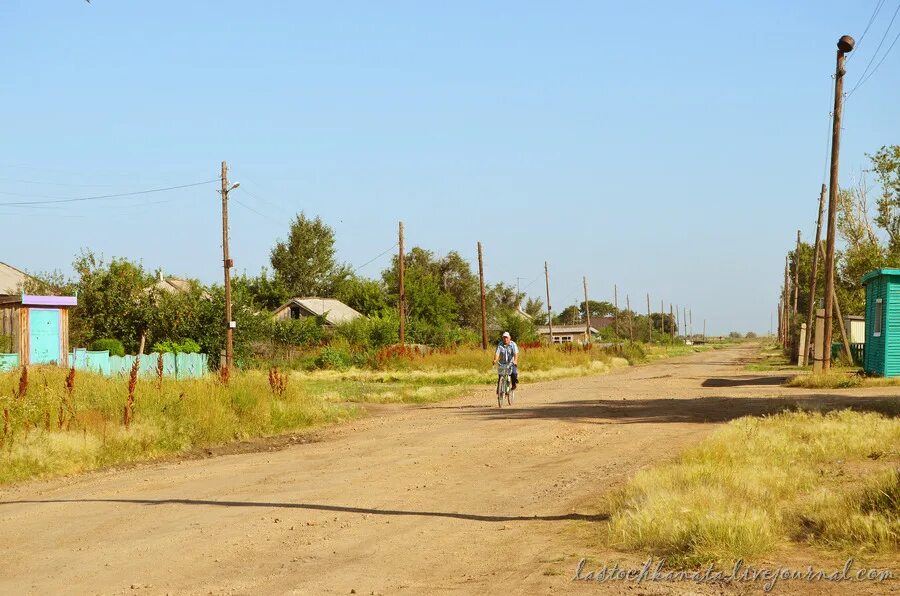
(366, 296)
(534, 307)
(306, 261)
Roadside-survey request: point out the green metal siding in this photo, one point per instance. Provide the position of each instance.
(875, 346)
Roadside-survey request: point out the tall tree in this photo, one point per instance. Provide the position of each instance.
(306, 261)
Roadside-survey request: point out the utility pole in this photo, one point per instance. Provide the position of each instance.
(587, 312)
(662, 318)
(845, 44)
(227, 264)
(844, 339)
(649, 319)
(684, 320)
(549, 308)
(401, 268)
(484, 338)
(796, 274)
(671, 322)
(814, 278)
(677, 319)
(691, 322)
(616, 309)
(785, 302)
(630, 321)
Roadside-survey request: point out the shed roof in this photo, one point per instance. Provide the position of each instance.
(11, 279)
(545, 330)
(334, 311)
(878, 273)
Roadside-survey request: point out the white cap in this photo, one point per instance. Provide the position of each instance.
(506, 334)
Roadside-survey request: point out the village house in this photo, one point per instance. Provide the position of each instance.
(333, 311)
(564, 334)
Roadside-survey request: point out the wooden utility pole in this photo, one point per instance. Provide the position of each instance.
(785, 301)
(845, 44)
(616, 309)
(549, 308)
(587, 312)
(691, 322)
(649, 319)
(401, 269)
(677, 319)
(844, 339)
(671, 322)
(684, 320)
(814, 278)
(484, 338)
(228, 264)
(796, 275)
(662, 318)
(630, 320)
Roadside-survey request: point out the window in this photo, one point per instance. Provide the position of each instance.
(562, 339)
(295, 312)
(879, 315)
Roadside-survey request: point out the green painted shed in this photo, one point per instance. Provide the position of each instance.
(882, 352)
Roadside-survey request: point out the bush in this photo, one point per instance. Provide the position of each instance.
(113, 346)
(298, 332)
(521, 329)
(6, 344)
(334, 357)
(185, 346)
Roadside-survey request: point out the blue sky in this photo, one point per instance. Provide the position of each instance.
(669, 148)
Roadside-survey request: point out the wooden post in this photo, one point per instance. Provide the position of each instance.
(227, 264)
(802, 340)
(587, 312)
(785, 301)
(549, 308)
(649, 319)
(401, 269)
(630, 320)
(845, 44)
(844, 340)
(814, 277)
(819, 350)
(484, 337)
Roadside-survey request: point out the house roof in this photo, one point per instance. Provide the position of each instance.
(334, 311)
(545, 330)
(173, 285)
(11, 279)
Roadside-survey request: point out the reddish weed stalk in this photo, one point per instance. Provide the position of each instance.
(277, 381)
(5, 423)
(132, 383)
(67, 400)
(159, 371)
(23, 384)
(224, 374)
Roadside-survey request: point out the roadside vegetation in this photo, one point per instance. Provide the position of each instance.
(56, 421)
(829, 480)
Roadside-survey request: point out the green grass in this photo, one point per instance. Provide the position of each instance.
(51, 433)
(828, 480)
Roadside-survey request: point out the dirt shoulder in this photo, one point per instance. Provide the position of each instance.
(451, 497)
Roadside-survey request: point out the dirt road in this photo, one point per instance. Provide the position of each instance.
(453, 497)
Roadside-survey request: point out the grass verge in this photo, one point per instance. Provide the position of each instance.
(830, 480)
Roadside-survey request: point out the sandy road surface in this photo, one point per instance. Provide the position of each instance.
(452, 497)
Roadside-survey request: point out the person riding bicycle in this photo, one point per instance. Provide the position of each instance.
(508, 354)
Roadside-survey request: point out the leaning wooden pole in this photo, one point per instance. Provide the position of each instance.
(840, 318)
(796, 276)
(814, 278)
(587, 312)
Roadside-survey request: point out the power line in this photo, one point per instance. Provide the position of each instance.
(878, 6)
(249, 208)
(863, 77)
(369, 262)
(863, 82)
(58, 200)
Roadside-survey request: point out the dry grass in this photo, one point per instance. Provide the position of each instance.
(841, 379)
(760, 482)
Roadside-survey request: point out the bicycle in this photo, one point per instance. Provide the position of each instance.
(504, 385)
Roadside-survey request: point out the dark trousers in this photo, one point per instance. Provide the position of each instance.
(513, 376)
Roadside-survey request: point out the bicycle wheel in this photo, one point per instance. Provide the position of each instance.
(502, 391)
(510, 395)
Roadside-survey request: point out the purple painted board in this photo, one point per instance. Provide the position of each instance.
(28, 300)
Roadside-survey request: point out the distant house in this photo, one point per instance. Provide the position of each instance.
(173, 285)
(564, 334)
(11, 279)
(602, 322)
(334, 311)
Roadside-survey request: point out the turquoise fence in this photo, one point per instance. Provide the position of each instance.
(8, 362)
(179, 366)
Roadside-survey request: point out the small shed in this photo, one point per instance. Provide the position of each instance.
(856, 328)
(882, 353)
(39, 327)
(564, 334)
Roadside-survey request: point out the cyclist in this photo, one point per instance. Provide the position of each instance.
(508, 353)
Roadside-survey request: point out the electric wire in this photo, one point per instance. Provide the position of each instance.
(58, 200)
(875, 12)
(863, 76)
(369, 262)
